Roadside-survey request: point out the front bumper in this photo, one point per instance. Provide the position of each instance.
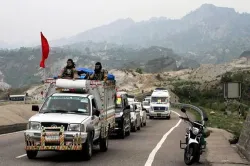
(63, 140)
(118, 125)
(160, 114)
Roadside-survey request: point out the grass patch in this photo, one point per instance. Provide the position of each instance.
(232, 123)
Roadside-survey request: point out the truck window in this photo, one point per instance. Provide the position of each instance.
(119, 102)
(66, 104)
(159, 99)
(125, 102)
(94, 104)
(145, 103)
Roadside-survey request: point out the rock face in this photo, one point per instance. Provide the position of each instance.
(244, 140)
(161, 64)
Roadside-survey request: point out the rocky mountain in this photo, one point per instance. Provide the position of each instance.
(208, 34)
(20, 67)
(207, 76)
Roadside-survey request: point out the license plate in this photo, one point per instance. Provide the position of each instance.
(52, 137)
(158, 114)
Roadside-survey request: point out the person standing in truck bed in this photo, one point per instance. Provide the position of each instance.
(99, 73)
(69, 71)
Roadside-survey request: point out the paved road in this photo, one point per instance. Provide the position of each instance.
(138, 149)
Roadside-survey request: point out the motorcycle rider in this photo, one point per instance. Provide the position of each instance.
(69, 71)
(99, 73)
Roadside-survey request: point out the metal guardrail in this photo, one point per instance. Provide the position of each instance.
(199, 110)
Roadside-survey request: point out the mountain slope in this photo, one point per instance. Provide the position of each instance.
(218, 33)
(20, 67)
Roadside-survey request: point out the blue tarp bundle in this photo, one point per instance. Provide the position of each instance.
(90, 71)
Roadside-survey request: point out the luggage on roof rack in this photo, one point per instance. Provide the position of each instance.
(83, 71)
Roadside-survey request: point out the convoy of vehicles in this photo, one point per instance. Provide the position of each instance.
(160, 104)
(78, 114)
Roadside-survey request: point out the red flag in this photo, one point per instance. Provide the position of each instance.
(45, 50)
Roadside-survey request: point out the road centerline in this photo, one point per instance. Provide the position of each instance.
(160, 143)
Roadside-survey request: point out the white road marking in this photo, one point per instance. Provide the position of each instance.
(11, 133)
(23, 155)
(158, 146)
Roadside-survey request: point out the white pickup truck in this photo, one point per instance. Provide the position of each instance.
(78, 115)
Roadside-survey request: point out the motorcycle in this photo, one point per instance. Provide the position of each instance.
(195, 140)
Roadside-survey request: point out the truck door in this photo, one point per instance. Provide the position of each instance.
(96, 120)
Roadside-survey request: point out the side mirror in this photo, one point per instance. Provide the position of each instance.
(127, 107)
(183, 110)
(96, 112)
(35, 108)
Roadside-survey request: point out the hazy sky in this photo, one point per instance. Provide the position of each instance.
(22, 20)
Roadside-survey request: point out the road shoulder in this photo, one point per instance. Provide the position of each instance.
(220, 152)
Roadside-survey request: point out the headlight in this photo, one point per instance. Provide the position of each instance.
(195, 130)
(76, 127)
(34, 126)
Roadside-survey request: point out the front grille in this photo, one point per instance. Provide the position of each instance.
(159, 109)
(118, 122)
(52, 143)
(49, 124)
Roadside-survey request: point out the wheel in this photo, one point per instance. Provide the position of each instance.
(192, 152)
(134, 128)
(31, 154)
(123, 132)
(150, 117)
(139, 127)
(128, 132)
(88, 148)
(104, 142)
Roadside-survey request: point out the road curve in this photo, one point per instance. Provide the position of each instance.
(157, 144)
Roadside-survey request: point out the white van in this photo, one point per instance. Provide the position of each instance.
(160, 104)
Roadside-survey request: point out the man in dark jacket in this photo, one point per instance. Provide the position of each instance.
(69, 71)
(99, 73)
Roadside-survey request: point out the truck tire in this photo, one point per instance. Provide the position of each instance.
(123, 132)
(88, 148)
(134, 128)
(139, 127)
(31, 154)
(129, 129)
(104, 144)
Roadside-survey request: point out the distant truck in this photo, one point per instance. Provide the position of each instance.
(78, 115)
(160, 104)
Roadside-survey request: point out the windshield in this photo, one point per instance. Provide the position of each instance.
(66, 104)
(147, 100)
(159, 99)
(145, 103)
(118, 103)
